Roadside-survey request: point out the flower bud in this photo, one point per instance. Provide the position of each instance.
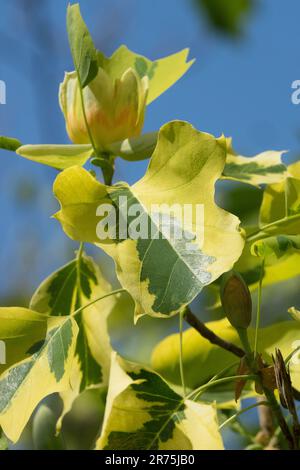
(236, 300)
(114, 108)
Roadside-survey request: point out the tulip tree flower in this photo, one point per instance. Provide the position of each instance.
(115, 103)
(104, 102)
(115, 109)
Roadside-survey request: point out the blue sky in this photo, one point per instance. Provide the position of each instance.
(239, 88)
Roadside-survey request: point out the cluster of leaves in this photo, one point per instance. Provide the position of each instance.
(60, 343)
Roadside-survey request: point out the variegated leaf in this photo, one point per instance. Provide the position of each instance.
(144, 413)
(74, 285)
(46, 371)
(20, 328)
(161, 272)
(265, 168)
(279, 246)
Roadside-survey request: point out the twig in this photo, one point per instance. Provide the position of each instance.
(208, 334)
(279, 417)
(266, 423)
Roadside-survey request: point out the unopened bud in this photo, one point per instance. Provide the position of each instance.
(236, 300)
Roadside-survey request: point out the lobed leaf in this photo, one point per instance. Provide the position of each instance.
(46, 371)
(161, 273)
(74, 285)
(144, 413)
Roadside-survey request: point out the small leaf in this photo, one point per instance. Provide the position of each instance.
(277, 267)
(281, 202)
(57, 156)
(144, 413)
(82, 46)
(278, 246)
(8, 143)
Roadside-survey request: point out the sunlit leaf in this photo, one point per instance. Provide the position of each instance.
(277, 233)
(74, 285)
(276, 268)
(202, 360)
(281, 205)
(82, 46)
(265, 168)
(20, 328)
(160, 272)
(46, 371)
(144, 413)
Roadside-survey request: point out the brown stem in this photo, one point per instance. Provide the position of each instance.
(279, 417)
(208, 334)
(266, 423)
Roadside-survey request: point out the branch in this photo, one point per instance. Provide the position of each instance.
(208, 334)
